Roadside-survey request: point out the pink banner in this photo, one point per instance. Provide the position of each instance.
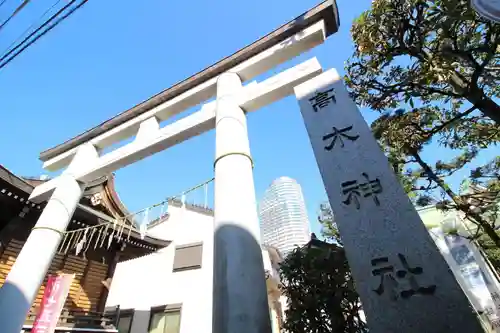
(56, 292)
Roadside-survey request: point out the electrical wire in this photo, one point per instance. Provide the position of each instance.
(31, 26)
(16, 11)
(31, 42)
(2, 2)
(38, 29)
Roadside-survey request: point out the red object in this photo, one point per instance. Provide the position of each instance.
(54, 297)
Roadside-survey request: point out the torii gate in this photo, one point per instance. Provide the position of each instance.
(238, 266)
(239, 290)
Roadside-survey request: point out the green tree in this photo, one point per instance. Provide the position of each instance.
(431, 68)
(317, 281)
(406, 134)
(328, 226)
(430, 51)
(491, 251)
(320, 292)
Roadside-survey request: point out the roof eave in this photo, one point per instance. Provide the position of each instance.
(19, 183)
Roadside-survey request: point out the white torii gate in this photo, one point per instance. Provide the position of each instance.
(240, 297)
(381, 231)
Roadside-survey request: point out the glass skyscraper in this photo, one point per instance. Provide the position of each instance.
(283, 217)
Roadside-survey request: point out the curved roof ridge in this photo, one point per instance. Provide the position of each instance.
(114, 199)
(27, 184)
(14, 180)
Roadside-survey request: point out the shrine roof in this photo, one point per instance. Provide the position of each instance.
(326, 11)
(19, 189)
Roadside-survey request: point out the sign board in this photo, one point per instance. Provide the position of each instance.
(477, 280)
(403, 281)
(54, 297)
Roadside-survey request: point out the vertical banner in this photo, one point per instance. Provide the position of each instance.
(54, 297)
(477, 283)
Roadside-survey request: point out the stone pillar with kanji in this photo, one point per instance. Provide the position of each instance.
(403, 281)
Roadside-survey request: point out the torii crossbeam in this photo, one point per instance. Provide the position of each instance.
(238, 267)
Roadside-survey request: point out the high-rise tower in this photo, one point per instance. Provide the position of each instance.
(283, 216)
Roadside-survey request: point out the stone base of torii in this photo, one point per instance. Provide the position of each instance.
(403, 281)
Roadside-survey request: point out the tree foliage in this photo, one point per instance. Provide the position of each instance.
(431, 68)
(438, 50)
(491, 251)
(406, 134)
(320, 290)
(318, 284)
(328, 226)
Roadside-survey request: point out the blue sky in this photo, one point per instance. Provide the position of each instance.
(111, 55)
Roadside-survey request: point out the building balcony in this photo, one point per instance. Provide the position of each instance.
(79, 321)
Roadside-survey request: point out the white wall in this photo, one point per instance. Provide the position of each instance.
(148, 281)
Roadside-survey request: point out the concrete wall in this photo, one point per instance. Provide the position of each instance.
(147, 282)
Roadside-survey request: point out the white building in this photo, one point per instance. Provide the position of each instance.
(170, 291)
(283, 216)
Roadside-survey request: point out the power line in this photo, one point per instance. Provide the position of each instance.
(38, 29)
(28, 44)
(2, 2)
(16, 11)
(31, 26)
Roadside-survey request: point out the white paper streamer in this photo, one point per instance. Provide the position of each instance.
(81, 243)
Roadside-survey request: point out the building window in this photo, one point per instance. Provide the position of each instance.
(188, 257)
(122, 319)
(125, 321)
(165, 319)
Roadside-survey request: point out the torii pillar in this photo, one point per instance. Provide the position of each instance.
(239, 292)
(240, 295)
(26, 275)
